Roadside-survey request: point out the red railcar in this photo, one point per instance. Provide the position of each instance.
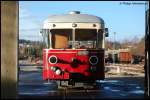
(125, 57)
(75, 48)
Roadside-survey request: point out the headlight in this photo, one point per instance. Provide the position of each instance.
(53, 68)
(83, 53)
(58, 72)
(52, 59)
(56, 69)
(93, 60)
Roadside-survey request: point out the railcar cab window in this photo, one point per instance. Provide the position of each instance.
(57, 38)
(85, 38)
(60, 38)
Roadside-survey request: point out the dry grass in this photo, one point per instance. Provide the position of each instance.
(125, 70)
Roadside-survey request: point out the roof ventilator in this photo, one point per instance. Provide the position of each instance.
(74, 12)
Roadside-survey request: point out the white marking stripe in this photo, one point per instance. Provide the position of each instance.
(65, 49)
(71, 52)
(62, 52)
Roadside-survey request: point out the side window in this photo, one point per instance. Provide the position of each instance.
(44, 33)
(100, 38)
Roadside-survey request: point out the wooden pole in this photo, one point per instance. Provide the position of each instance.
(9, 46)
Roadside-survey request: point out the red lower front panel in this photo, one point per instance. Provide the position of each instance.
(78, 64)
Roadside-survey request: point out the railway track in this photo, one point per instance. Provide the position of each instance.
(77, 93)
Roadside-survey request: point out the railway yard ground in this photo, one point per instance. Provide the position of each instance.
(123, 81)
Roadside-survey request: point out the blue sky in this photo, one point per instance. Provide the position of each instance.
(125, 18)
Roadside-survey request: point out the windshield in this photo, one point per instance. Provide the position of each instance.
(83, 39)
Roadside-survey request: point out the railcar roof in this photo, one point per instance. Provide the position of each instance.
(73, 17)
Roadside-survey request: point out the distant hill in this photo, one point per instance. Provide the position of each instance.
(24, 41)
